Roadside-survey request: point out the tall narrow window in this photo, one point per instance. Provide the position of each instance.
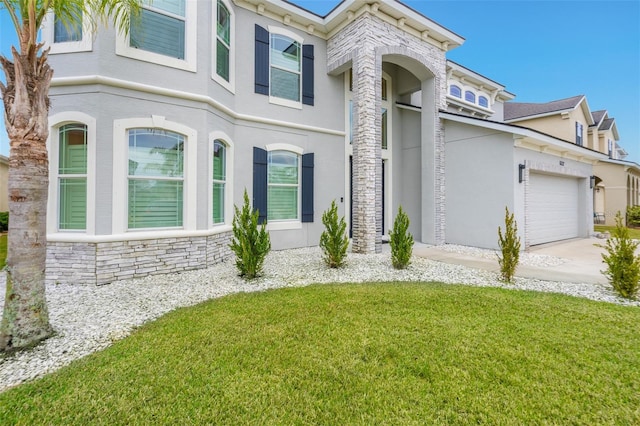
(384, 89)
(160, 28)
(156, 178)
(219, 180)
(469, 96)
(455, 91)
(64, 32)
(72, 177)
(283, 177)
(483, 101)
(285, 62)
(223, 41)
(578, 133)
(384, 128)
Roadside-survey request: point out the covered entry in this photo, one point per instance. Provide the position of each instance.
(553, 208)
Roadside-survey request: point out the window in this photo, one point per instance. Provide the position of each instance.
(160, 28)
(155, 178)
(72, 177)
(384, 89)
(219, 180)
(283, 186)
(610, 148)
(384, 128)
(223, 40)
(164, 33)
(483, 101)
(283, 177)
(284, 67)
(578, 133)
(469, 96)
(455, 91)
(69, 31)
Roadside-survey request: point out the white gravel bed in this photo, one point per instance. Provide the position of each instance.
(88, 318)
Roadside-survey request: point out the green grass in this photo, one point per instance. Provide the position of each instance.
(357, 354)
(633, 232)
(3, 250)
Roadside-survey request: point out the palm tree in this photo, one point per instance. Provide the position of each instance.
(25, 95)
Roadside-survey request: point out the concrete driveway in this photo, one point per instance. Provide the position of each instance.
(581, 261)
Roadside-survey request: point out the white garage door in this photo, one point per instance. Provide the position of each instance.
(553, 208)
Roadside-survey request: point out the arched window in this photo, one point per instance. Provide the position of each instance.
(455, 91)
(469, 96)
(219, 180)
(72, 176)
(155, 178)
(483, 101)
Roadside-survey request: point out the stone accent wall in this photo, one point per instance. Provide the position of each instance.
(363, 43)
(104, 262)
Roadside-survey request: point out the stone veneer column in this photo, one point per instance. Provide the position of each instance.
(367, 154)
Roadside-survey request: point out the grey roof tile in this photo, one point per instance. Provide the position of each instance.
(606, 124)
(514, 110)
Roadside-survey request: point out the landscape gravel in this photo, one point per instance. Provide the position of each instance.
(88, 318)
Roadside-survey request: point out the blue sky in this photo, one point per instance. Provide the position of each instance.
(540, 50)
(547, 50)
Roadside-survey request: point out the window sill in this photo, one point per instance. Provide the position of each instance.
(123, 49)
(283, 226)
(285, 102)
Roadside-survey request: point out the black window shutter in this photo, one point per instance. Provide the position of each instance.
(307, 74)
(260, 183)
(262, 61)
(307, 187)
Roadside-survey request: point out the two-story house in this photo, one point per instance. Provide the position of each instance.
(616, 182)
(155, 135)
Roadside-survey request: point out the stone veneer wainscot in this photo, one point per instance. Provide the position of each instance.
(104, 262)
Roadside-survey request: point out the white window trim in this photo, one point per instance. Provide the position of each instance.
(189, 63)
(231, 84)
(274, 99)
(228, 187)
(120, 222)
(281, 225)
(47, 34)
(53, 146)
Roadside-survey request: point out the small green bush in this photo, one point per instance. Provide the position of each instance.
(633, 216)
(401, 241)
(623, 266)
(250, 244)
(4, 221)
(509, 243)
(334, 241)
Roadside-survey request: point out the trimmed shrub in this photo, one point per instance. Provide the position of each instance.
(4, 221)
(401, 241)
(509, 243)
(334, 241)
(623, 266)
(250, 244)
(633, 216)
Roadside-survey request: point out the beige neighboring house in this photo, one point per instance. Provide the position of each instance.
(4, 179)
(616, 183)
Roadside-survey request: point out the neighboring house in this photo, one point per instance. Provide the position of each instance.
(4, 180)
(615, 181)
(155, 136)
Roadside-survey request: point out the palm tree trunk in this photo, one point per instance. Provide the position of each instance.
(25, 319)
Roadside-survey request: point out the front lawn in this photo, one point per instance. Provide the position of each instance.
(394, 353)
(633, 232)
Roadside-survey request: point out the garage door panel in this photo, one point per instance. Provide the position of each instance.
(553, 208)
